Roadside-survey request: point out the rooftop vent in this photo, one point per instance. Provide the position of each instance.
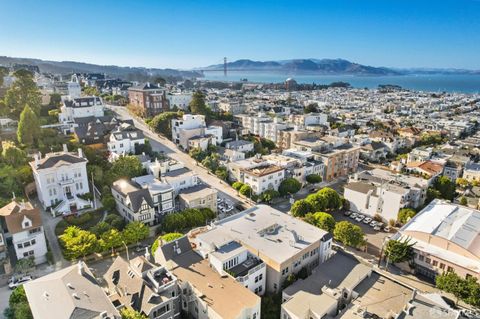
(69, 285)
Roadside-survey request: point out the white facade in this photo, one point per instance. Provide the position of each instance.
(60, 178)
(123, 142)
(262, 178)
(30, 242)
(74, 89)
(179, 99)
(216, 132)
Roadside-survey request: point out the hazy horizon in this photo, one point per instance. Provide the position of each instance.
(190, 34)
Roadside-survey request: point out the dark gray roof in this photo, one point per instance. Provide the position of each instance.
(174, 248)
(83, 102)
(55, 158)
(134, 192)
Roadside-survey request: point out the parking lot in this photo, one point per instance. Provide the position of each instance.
(225, 207)
(374, 235)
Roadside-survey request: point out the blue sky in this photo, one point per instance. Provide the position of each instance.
(185, 34)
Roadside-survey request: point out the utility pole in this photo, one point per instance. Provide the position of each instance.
(94, 196)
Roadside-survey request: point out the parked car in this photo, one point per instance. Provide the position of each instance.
(359, 218)
(387, 229)
(312, 190)
(14, 282)
(373, 223)
(367, 220)
(377, 228)
(347, 213)
(353, 215)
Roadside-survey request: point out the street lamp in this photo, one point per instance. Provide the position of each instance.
(126, 249)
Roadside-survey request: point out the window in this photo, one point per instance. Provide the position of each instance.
(421, 258)
(434, 263)
(442, 266)
(428, 260)
(449, 268)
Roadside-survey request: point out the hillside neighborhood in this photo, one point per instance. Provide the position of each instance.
(185, 198)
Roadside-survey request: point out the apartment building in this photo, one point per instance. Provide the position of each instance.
(204, 292)
(71, 292)
(150, 98)
(446, 238)
(180, 100)
(340, 161)
(193, 127)
(233, 259)
(61, 180)
(78, 108)
(24, 224)
(284, 243)
(471, 172)
(384, 193)
(261, 178)
(142, 286)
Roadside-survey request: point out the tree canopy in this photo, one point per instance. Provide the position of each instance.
(289, 186)
(405, 214)
(129, 313)
(313, 178)
(322, 220)
(78, 242)
(197, 104)
(24, 91)
(399, 250)
(349, 234)
(467, 290)
(300, 208)
(125, 167)
(28, 129)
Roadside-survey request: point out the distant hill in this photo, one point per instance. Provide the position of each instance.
(317, 66)
(68, 67)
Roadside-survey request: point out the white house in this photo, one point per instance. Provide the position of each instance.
(61, 178)
(24, 223)
(123, 141)
(79, 108)
(179, 99)
(263, 177)
(74, 89)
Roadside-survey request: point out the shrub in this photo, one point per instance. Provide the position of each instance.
(300, 208)
(314, 178)
(289, 186)
(237, 185)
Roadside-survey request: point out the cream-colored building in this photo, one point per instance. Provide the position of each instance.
(446, 237)
(199, 196)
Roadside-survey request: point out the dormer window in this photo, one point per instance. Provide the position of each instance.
(26, 224)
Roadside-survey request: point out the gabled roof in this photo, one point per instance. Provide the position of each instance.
(134, 192)
(17, 216)
(144, 86)
(70, 293)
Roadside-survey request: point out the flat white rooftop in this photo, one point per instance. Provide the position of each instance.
(270, 232)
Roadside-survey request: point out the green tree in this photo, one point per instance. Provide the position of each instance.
(91, 91)
(129, 313)
(452, 283)
(246, 190)
(111, 239)
(55, 100)
(222, 173)
(322, 220)
(28, 129)
(311, 108)
(333, 201)
(462, 182)
(3, 73)
(197, 104)
(289, 186)
(269, 195)
(18, 305)
(446, 187)
(399, 250)
(314, 178)
(78, 243)
(23, 91)
(24, 265)
(125, 167)
(300, 208)
(237, 185)
(108, 202)
(349, 234)
(162, 123)
(115, 221)
(100, 228)
(405, 214)
(432, 193)
(135, 232)
(317, 202)
(12, 155)
(463, 201)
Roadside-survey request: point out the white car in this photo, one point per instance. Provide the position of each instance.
(359, 218)
(14, 282)
(373, 223)
(367, 220)
(377, 228)
(353, 215)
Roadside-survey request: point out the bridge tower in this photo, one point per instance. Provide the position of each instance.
(225, 66)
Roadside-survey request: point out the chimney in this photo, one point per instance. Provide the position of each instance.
(65, 148)
(37, 159)
(80, 152)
